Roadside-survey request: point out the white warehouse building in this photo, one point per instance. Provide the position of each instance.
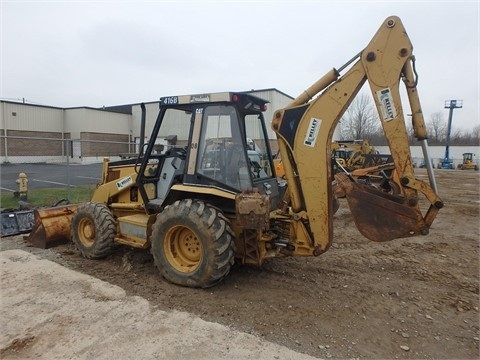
(37, 133)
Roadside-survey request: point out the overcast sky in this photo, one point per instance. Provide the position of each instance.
(95, 53)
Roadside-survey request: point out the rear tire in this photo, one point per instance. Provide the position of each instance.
(192, 244)
(93, 230)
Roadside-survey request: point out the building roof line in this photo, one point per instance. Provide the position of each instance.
(126, 108)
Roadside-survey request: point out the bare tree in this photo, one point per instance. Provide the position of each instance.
(466, 137)
(410, 133)
(458, 137)
(437, 128)
(360, 121)
(476, 135)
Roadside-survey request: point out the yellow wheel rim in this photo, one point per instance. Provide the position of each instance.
(182, 249)
(86, 232)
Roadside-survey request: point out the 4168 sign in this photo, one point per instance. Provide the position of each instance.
(169, 100)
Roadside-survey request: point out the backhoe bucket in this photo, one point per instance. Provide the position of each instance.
(380, 216)
(52, 226)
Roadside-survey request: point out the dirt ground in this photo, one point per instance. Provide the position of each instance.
(415, 298)
(51, 312)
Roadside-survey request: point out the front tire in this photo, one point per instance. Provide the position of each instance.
(192, 244)
(93, 230)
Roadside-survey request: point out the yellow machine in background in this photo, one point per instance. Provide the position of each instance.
(351, 154)
(468, 162)
(213, 198)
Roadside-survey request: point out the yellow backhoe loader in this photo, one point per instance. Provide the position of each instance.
(346, 156)
(213, 199)
(468, 163)
(351, 154)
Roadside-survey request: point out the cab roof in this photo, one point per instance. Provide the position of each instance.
(244, 101)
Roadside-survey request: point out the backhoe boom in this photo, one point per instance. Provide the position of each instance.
(304, 130)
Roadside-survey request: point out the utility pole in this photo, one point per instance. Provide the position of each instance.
(447, 163)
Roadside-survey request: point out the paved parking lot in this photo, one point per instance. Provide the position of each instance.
(49, 175)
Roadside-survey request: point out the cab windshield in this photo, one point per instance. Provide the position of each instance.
(229, 154)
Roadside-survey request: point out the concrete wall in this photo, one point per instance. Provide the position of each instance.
(18, 116)
(78, 120)
(32, 133)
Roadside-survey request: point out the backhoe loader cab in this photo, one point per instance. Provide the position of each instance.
(214, 156)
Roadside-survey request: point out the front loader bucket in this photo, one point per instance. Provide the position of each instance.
(380, 216)
(52, 226)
